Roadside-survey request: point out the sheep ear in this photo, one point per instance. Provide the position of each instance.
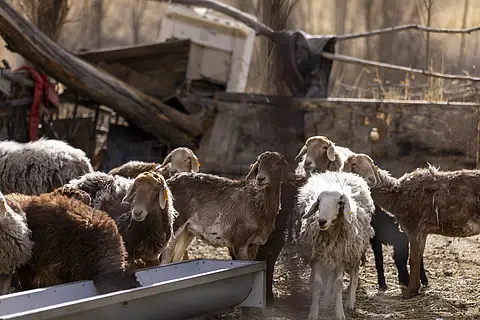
(347, 209)
(167, 159)
(331, 153)
(347, 166)
(163, 198)
(311, 211)
(130, 194)
(301, 153)
(253, 171)
(3, 209)
(195, 164)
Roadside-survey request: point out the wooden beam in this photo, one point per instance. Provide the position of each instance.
(146, 112)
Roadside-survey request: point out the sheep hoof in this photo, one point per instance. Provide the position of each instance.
(382, 287)
(409, 294)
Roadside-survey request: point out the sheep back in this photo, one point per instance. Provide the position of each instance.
(72, 242)
(343, 243)
(39, 166)
(133, 168)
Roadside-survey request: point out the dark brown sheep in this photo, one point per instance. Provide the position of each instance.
(239, 214)
(179, 160)
(72, 242)
(426, 201)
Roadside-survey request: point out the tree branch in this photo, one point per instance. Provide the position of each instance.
(233, 12)
(363, 62)
(349, 36)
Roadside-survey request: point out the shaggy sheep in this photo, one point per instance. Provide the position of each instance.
(179, 160)
(426, 201)
(72, 242)
(387, 232)
(15, 243)
(238, 214)
(320, 154)
(40, 166)
(335, 233)
(142, 208)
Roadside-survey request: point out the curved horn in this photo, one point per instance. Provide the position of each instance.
(163, 198)
(253, 171)
(301, 153)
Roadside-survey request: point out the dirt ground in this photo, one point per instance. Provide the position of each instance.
(452, 265)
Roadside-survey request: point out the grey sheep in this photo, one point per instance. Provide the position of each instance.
(40, 166)
(141, 207)
(335, 234)
(426, 201)
(15, 244)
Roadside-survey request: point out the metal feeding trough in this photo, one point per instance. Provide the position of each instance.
(172, 291)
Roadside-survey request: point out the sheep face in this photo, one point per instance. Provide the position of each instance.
(271, 168)
(364, 166)
(319, 151)
(149, 190)
(181, 160)
(330, 205)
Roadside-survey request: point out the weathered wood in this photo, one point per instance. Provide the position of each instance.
(163, 122)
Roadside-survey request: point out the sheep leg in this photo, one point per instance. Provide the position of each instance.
(378, 253)
(181, 245)
(185, 256)
(327, 275)
(316, 290)
(417, 246)
(423, 274)
(400, 256)
(337, 289)
(5, 282)
(352, 289)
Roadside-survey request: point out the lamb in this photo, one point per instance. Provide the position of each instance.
(179, 160)
(73, 242)
(387, 232)
(238, 214)
(15, 244)
(142, 208)
(335, 233)
(40, 166)
(320, 153)
(426, 201)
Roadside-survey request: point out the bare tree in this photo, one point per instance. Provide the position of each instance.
(138, 12)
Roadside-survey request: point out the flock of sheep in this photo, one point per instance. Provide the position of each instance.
(61, 221)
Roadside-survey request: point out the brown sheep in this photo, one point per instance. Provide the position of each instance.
(425, 201)
(238, 214)
(142, 208)
(73, 242)
(179, 160)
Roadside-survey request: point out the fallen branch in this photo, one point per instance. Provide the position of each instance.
(349, 36)
(363, 62)
(160, 120)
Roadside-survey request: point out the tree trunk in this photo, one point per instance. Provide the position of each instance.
(160, 120)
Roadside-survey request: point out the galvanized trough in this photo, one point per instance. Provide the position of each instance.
(172, 291)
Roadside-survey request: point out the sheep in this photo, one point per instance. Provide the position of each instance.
(179, 160)
(319, 154)
(387, 232)
(335, 233)
(73, 242)
(15, 244)
(425, 201)
(40, 166)
(142, 208)
(270, 251)
(238, 214)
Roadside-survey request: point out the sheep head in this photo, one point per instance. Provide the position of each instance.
(149, 190)
(364, 166)
(271, 168)
(181, 160)
(319, 151)
(331, 204)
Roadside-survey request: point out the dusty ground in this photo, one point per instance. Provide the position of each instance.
(453, 268)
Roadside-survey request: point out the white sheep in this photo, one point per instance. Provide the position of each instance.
(15, 244)
(40, 166)
(335, 233)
